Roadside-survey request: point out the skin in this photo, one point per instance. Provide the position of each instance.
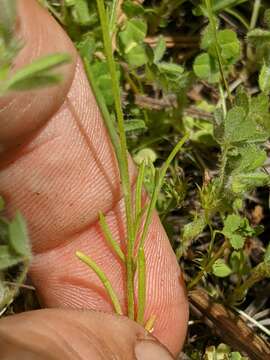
(58, 168)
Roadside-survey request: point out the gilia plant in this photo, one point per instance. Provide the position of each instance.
(15, 250)
(138, 217)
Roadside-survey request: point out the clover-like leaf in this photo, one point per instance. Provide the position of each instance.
(206, 68)
(229, 44)
(221, 269)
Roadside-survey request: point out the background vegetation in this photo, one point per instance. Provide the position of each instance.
(200, 68)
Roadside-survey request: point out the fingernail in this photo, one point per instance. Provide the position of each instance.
(151, 350)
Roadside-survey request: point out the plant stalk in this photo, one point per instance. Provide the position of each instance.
(123, 163)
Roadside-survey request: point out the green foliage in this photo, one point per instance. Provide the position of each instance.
(38, 74)
(216, 89)
(237, 229)
(221, 269)
(15, 254)
(222, 352)
(131, 42)
(207, 65)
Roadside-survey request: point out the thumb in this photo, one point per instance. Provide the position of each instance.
(40, 36)
(69, 334)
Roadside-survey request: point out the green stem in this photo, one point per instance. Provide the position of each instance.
(255, 14)
(238, 16)
(220, 60)
(141, 286)
(258, 273)
(223, 164)
(104, 110)
(123, 164)
(103, 278)
(159, 181)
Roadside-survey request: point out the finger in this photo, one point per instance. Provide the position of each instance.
(30, 110)
(61, 177)
(66, 334)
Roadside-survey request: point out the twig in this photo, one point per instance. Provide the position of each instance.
(233, 330)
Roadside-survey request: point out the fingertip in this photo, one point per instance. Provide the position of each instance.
(23, 113)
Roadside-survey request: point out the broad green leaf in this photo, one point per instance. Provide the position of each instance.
(134, 125)
(221, 269)
(229, 44)
(236, 356)
(231, 224)
(8, 258)
(81, 13)
(132, 9)
(242, 183)
(87, 46)
(237, 241)
(242, 99)
(18, 235)
(239, 127)
(237, 229)
(264, 79)
(250, 158)
(134, 32)
(160, 49)
(207, 39)
(103, 80)
(136, 56)
(206, 68)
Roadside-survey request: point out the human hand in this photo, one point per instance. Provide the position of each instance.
(58, 168)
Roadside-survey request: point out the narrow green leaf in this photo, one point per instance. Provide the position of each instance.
(38, 70)
(110, 239)
(103, 278)
(138, 191)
